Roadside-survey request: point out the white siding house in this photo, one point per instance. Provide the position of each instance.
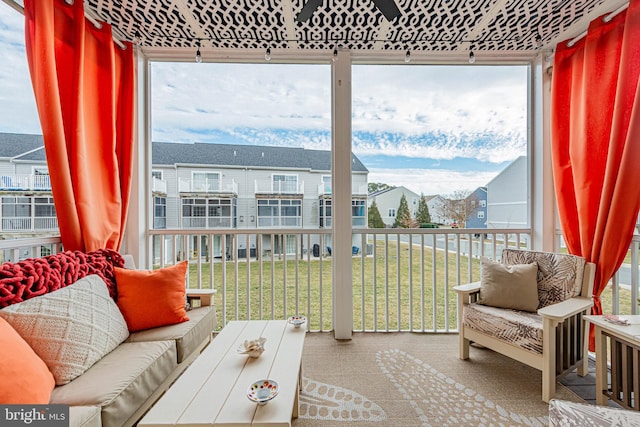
(435, 205)
(388, 202)
(507, 197)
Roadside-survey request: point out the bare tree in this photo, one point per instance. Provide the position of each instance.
(459, 206)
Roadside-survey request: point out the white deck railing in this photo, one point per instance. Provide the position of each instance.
(19, 249)
(25, 182)
(207, 186)
(278, 187)
(13, 224)
(396, 286)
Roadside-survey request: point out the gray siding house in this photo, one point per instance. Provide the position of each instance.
(478, 208)
(195, 186)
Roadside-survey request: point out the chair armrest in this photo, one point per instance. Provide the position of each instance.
(204, 296)
(565, 309)
(468, 289)
(468, 293)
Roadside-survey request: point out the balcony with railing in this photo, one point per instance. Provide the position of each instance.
(324, 189)
(29, 224)
(158, 186)
(25, 182)
(217, 186)
(278, 187)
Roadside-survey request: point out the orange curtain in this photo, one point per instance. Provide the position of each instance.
(595, 136)
(84, 90)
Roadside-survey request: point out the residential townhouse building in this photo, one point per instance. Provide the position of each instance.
(388, 201)
(198, 186)
(27, 208)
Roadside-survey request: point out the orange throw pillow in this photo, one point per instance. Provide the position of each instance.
(25, 379)
(148, 299)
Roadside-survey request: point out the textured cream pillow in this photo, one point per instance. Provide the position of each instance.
(71, 328)
(508, 286)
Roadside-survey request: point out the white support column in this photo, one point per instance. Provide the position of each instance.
(543, 216)
(341, 195)
(135, 239)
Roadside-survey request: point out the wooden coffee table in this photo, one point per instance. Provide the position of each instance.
(213, 390)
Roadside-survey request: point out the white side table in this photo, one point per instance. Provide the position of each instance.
(622, 344)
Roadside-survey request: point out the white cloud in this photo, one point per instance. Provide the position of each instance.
(396, 106)
(18, 112)
(431, 181)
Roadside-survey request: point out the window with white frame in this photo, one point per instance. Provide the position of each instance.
(392, 213)
(325, 213)
(284, 183)
(326, 184)
(156, 174)
(194, 213)
(221, 213)
(205, 181)
(208, 213)
(358, 213)
(159, 212)
(480, 214)
(483, 203)
(279, 213)
(28, 214)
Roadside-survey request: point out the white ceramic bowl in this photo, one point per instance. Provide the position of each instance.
(296, 321)
(262, 391)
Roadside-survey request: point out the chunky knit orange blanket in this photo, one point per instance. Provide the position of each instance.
(36, 276)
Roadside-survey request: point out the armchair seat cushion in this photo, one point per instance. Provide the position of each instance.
(519, 328)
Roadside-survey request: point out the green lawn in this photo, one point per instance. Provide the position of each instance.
(314, 278)
(415, 302)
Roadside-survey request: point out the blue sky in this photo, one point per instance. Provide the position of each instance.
(433, 129)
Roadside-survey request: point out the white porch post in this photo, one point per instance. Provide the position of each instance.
(542, 190)
(341, 195)
(135, 240)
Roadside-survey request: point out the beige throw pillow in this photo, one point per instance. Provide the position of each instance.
(508, 286)
(71, 328)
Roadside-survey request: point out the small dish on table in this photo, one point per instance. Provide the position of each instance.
(296, 321)
(262, 391)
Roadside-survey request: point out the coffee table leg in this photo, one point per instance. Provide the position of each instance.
(296, 403)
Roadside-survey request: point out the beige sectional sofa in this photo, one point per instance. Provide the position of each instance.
(123, 384)
(120, 387)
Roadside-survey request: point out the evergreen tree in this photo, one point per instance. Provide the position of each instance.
(423, 216)
(403, 216)
(375, 219)
(378, 186)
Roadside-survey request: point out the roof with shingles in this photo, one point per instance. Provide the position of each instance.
(169, 153)
(21, 146)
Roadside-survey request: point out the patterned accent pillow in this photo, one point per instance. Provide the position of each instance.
(559, 275)
(71, 328)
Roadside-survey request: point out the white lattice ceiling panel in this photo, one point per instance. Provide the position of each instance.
(423, 25)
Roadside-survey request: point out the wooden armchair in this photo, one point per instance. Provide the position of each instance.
(554, 339)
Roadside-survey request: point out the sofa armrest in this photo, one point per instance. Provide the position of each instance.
(565, 309)
(467, 290)
(204, 296)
